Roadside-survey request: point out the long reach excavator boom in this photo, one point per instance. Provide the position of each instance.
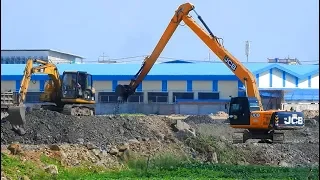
(244, 112)
(212, 41)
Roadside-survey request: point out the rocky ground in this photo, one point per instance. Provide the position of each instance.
(106, 140)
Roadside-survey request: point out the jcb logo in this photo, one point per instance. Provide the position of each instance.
(294, 119)
(229, 62)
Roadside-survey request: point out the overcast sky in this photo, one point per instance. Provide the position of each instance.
(119, 28)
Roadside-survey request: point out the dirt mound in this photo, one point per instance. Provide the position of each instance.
(311, 114)
(47, 127)
(221, 114)
(204, 119)
(199, 119)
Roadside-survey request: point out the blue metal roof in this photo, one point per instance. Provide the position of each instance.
(300, 71)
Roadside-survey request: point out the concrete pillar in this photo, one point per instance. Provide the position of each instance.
(195, 95)
(145, 97)
(97, 97)
(170, 96)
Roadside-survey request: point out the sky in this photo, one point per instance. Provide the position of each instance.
(120, 29)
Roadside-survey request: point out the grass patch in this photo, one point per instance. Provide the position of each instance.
(204, 144)
(163, 166)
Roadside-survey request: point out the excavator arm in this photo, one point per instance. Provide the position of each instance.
(13, 109)
(43, 68)
(182, 14)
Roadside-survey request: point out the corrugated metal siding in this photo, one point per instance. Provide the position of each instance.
(102, 85)
(34, 86)
(177, 86)
(152, 86)
(202, 86)
(227, 88)
(8, 85)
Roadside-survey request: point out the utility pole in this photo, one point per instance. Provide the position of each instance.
(247, 50)
(103, 56)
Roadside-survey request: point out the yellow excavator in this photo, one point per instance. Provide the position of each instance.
(73, 94)
(245, 113)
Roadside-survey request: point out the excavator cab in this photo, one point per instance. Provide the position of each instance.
(77, 85)
(240, 109)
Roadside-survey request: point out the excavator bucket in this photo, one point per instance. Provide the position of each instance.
(17, 118)
(13, 112)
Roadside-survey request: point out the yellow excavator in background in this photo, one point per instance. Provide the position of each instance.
(245, 113)
(73, 94)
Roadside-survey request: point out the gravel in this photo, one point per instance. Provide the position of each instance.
(203, 119)
(47, 127)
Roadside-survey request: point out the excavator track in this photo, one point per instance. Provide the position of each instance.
(73, 110)
(270, 137)
(278, 137)
(238, 137)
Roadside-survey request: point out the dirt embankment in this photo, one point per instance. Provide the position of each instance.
(103, 139)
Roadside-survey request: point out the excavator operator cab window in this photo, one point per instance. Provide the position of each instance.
(239, 112)
(69, 85)
(88, 81)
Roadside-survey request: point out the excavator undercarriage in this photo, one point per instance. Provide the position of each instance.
(271, 136)
(72, 109)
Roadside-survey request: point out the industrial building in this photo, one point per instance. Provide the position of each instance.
(20, 56)
(176, 82)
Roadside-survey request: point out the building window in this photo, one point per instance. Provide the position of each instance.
(33, 97)
(182, 95)
(107, 97)
(157, 97)
(208, 95)
(136, 97)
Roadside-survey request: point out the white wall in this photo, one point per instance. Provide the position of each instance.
(303, 83)
(315, 81)
(290, 81)
(276, 78)
(264, 80)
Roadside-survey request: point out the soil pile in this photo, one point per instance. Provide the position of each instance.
(47, 127)
(204, 119)
(311, 114)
